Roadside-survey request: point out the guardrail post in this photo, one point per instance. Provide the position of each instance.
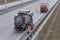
(27, 38)
(31, 35)
(33, 32)
(35, 29)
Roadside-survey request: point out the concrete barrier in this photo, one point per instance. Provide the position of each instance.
(13, 4)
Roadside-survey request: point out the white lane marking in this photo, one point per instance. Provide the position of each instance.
(6, 17)
(5, 25)
(34, 37)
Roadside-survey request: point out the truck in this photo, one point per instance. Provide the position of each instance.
(43, 7)
(23, 20)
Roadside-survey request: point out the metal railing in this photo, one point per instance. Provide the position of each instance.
(30, 35)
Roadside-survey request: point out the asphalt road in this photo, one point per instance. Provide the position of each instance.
(6, 27)
(7, 20)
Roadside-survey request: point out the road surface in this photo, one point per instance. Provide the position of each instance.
(7, 20)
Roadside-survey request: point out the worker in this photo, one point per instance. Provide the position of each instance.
(31, 26)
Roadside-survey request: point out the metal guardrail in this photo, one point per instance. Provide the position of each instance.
(30, 35)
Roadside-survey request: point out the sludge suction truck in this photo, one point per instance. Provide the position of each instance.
(23, 20)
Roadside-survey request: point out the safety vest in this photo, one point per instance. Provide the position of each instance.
(29, 30)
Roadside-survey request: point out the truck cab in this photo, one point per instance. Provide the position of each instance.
(43, 7)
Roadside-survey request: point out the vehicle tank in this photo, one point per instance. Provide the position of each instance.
(23, 20)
